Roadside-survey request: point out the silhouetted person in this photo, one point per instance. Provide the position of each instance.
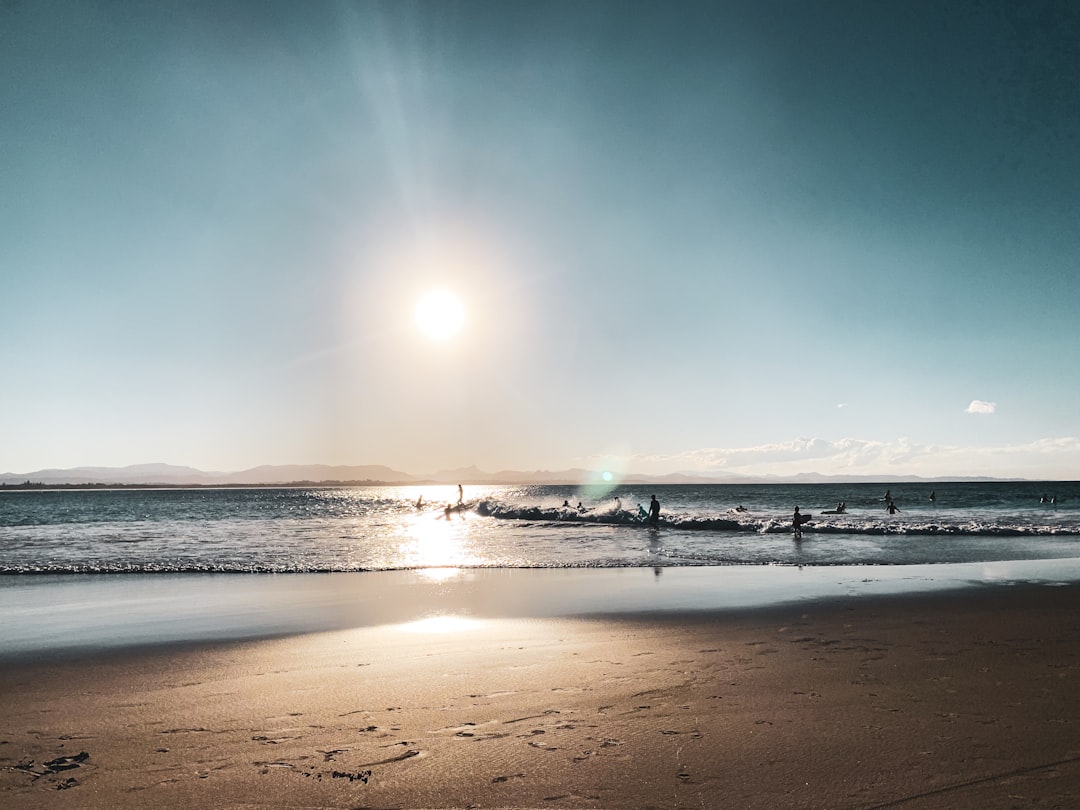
(933, 496)
(889, 503)
(796, 524)
(654, 512)
(460, 494)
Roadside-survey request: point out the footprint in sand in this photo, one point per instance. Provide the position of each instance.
(412, 752)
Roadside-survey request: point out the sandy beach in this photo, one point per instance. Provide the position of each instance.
(946, 699)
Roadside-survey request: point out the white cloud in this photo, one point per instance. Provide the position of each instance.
(978, 406)
(1047, 459)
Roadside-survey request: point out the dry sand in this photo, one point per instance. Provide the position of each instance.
(928, 701)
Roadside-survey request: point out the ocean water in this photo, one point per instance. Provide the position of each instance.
(315, 529)
(106, 569)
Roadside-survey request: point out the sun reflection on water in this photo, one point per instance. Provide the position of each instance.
(442, 624)
(440, 574)
(440, 545)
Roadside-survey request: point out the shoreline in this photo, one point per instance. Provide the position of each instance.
(948, 698)
(68, 614)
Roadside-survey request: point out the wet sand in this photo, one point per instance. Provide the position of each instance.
(940, 699)
(49, 614)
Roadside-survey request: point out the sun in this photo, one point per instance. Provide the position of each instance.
(439, 314)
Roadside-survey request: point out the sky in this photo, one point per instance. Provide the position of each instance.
(736, 237)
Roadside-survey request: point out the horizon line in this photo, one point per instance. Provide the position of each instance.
(180, 476)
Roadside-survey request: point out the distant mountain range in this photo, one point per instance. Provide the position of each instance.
(169, 475)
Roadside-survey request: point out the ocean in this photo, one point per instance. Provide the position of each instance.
(101, 569)
(305, 530)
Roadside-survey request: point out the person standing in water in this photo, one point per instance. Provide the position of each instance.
(654, 512)
(460, 494)
(796, 524)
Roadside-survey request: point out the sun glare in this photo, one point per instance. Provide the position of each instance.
(439, 315)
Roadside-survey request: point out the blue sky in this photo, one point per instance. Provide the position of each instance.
(717, 237)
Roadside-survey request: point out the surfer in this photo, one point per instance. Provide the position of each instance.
(933, 496)
(420, 501)
(580, 508)
(892, 508)
(641, 513)
(460, 494)
(654, 512)
(796, 524)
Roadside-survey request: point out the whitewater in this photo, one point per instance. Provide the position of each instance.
(316, 529)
